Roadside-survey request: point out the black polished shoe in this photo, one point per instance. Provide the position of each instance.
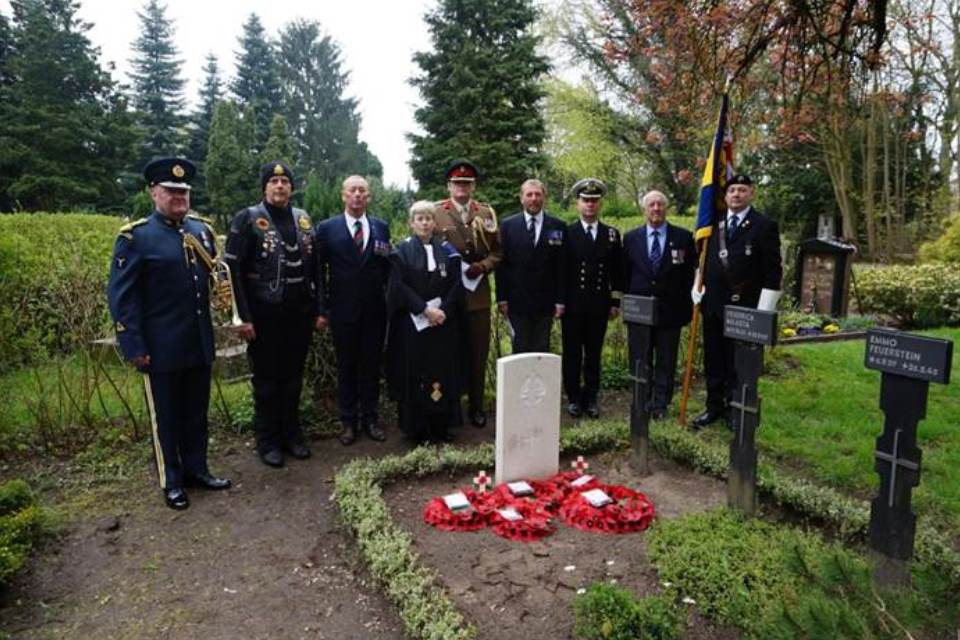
(374, 432)
(298, 450)
(272, 457)
(176, 498)
(575, 410)
(592, 410)
(207, 481)
(478, 418)
(708, 417)
(348, 435)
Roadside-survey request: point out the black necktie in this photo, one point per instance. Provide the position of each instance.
(732, 225)
(590, 232)
(655, 252)
(532, 230)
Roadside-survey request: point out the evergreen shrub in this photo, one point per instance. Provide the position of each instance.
(53, 274)
(926, 295)
(22, 524)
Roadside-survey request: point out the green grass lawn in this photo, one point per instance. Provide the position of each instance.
(824, 417)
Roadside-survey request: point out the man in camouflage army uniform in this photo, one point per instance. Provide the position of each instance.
(159, 300)
(471, 227)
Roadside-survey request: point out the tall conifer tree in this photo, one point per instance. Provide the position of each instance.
(481, 88)
(65, 132)
(231, 182)
(157, 83)
(210, 94)
(279, 144)
(324, 122)
(256, 84)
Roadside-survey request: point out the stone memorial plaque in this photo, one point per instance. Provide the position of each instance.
(909, 355)
(528, 416)
(639, 309)
(750, 325)
(817, 286)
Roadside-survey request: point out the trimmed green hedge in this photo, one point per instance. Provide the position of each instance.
(22, 523)
(53, 273)
(925, 295)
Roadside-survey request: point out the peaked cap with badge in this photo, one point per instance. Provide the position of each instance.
(171, 172)
(588, 189)
(461, 170)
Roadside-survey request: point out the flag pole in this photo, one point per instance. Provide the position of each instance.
(692, 340)
(716, 166)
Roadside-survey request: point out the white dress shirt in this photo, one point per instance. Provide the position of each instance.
(590, 228)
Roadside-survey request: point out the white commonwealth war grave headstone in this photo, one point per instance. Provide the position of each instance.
(528, 416)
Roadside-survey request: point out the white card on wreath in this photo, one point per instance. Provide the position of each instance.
(510, 514)
(456, 501)
(597, 497)
(582, 480)
(520, 488)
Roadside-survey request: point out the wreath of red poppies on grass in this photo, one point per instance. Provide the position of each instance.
(554, 497)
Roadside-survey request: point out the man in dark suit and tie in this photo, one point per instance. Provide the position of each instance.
(660, 260)
(352, 251)
(529, 279)
(743, 267)
(592, 272)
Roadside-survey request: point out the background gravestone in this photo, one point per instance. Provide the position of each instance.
(528, 416)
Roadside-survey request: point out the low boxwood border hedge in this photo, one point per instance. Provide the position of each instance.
(426, 610)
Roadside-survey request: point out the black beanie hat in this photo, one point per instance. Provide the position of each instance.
(275, 168)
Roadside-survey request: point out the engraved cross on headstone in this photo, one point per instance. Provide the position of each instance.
(909, 364)
(750, 329)
(639, 314)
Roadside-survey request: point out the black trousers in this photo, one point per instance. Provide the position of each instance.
(277, 357)
(178, 402)
(531, 333)
(583, 335)
(720, 374)
(359, 349)
(662, 355)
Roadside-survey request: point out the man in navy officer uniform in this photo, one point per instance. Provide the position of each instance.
(271, 257)
(660, 260)
(592, 273)
(743, 268)
(530, 276)
(158, 297)
(352, 256)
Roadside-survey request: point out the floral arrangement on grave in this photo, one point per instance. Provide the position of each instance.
(526, 510)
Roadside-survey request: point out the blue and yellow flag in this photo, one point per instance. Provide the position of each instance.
(719, 169)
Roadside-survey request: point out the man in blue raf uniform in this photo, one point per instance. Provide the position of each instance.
(271, 258)
(158, 295)
(659, 261)
(592, 272)
(530, 277)
(743, 268)
(352, 256)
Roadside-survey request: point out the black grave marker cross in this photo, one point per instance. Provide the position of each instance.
(908, 364)
(750, 329)
(639, 312)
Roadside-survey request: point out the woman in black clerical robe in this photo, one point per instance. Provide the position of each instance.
(425, 299)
